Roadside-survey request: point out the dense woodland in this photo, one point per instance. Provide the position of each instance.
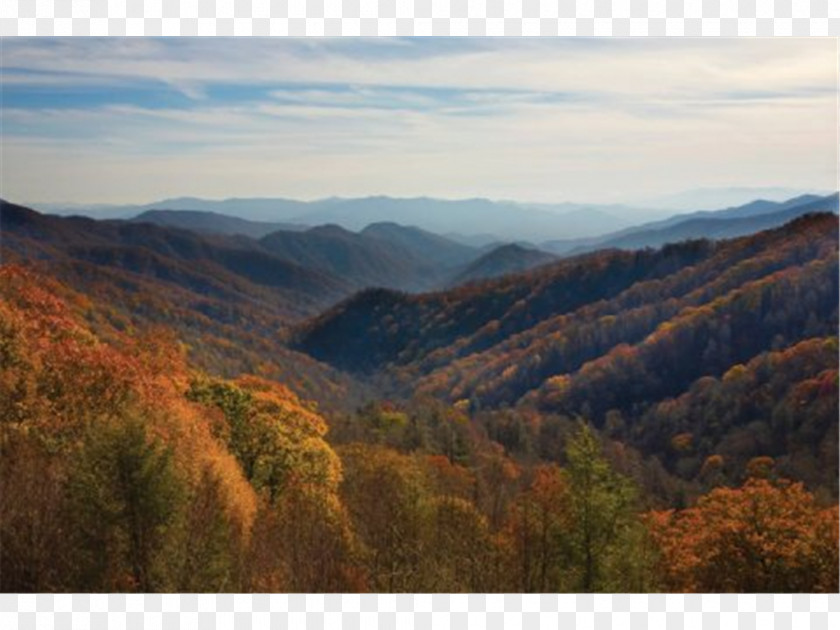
(183, 412)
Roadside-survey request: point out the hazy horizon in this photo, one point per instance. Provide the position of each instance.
(131, 121)
(679, 200)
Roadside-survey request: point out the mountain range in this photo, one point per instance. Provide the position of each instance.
(560, 228)
(690, 349)
(727, 223)
(212, 222)
(502, 220)
(308, 268)
(500, 261)
(722, 197)
(304, 270)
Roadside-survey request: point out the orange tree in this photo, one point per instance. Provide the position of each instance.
(766, 536)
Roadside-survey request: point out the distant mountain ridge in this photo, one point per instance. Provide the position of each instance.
(361, 259)
(422, 243)
(328, 261)
(722, 197)
(475, 222)
(253, 209)
(756, 207)
(406, 257)
(508, 221)
(500, 261)
(211, 264)
(212, 222)
(738, 222)
(504, 220)
(727, 223)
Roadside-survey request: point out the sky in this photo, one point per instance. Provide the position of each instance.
(135, 120)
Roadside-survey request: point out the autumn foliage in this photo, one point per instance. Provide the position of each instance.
(105, 457)
(535, 433)
(763, 537)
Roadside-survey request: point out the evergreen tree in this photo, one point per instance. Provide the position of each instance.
(603, 518)
(125, 496)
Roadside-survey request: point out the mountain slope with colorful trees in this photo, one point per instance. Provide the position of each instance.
(628, 340)
(623, 421)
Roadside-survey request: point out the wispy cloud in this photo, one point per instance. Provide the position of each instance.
(608, 120)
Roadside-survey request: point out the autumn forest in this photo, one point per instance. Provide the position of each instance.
(194, 409)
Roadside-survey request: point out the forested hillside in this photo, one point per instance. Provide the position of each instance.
(663, 419)
(223, 297)
(614, 337)
(226, 267)
(500, 261)
(123, 469)
(365, 260)
(404, 328)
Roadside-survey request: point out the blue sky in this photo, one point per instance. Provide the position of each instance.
(599, 120)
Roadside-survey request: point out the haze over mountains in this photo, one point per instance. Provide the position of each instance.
(710, 198)
(212, 222)
(467, 217)
(726, 223)
(324, 263)
(559, 228)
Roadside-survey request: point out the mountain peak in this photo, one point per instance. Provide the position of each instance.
(329, 229)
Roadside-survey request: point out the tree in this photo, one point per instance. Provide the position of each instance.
(538, 525)
(211, 542)
(277, 440)
(302, 543)
(302, 539)
(763, 537)
(125, 499)
(603, 521)
(34, 555)
(386, 495)
(458, 546)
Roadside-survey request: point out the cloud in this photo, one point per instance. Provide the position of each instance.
(541, 120)
(646, 67)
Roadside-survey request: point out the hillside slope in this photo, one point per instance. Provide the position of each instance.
(422, 244)
(595, 302)
(360, 259)
(213, 265)
(225, 297)
(501, 261)
(375, 328)
(615, 335)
